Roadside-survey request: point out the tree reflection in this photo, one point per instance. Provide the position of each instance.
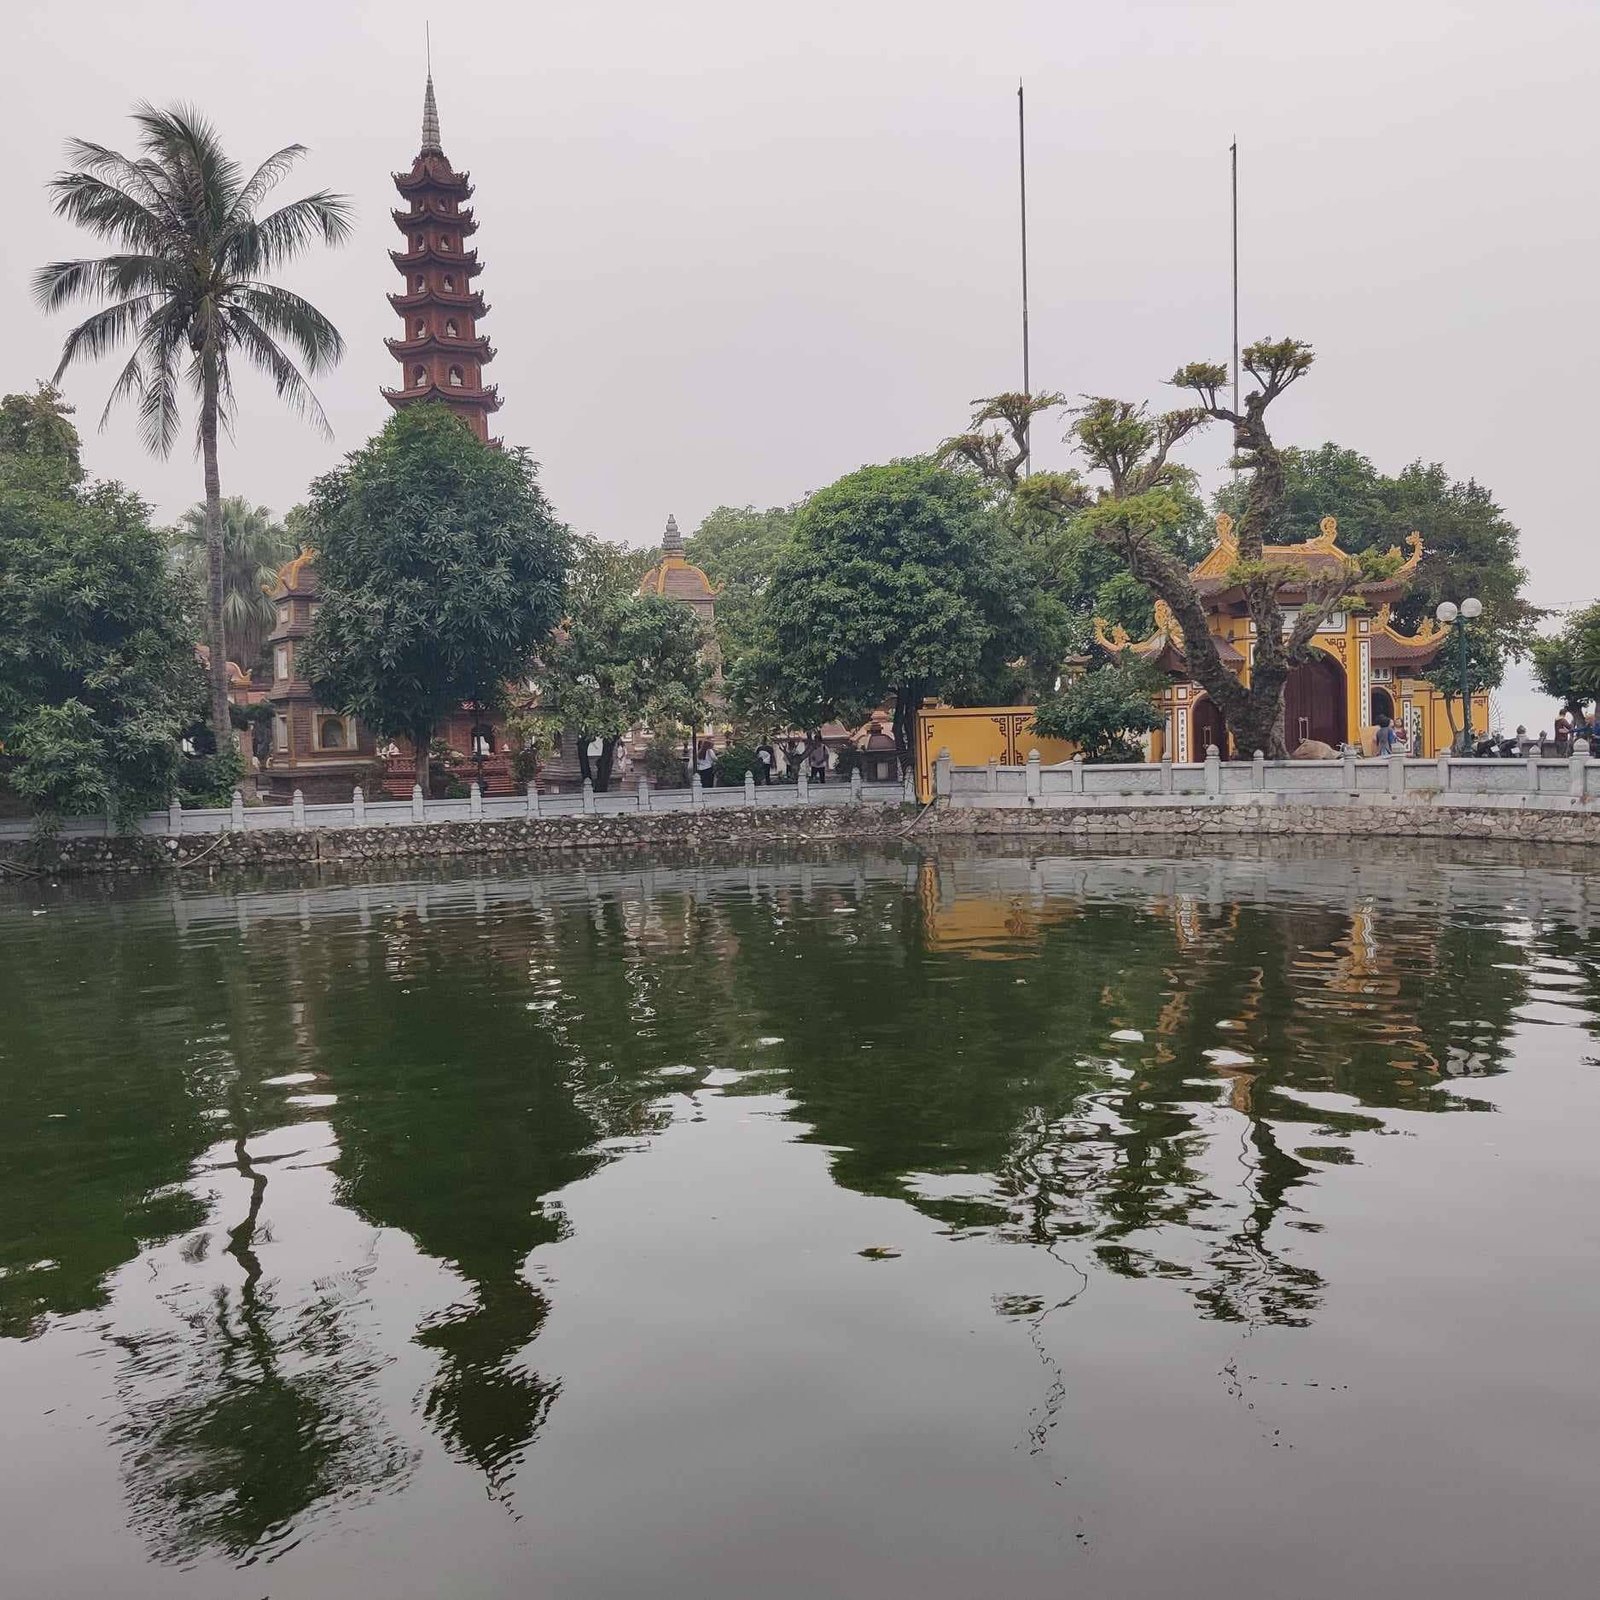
(236, 1427)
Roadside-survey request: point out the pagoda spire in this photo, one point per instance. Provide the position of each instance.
(430, 122)
(441, 353)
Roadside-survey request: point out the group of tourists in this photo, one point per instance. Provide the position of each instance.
(1574, 725)
(775, 759)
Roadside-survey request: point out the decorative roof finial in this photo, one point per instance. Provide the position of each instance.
(672, 540)
(430, 123)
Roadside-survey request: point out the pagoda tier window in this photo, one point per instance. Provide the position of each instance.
(422, 331)
(280, 733)
(450, 330)
(417, 241)
(444, 243)
(418, 285)
(333, 733)
(483, 740)
(281, 660)
(456, 378)
(449, 284)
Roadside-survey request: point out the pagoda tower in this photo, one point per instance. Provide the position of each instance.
(441, 353)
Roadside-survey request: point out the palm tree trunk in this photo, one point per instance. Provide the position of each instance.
(216, 638)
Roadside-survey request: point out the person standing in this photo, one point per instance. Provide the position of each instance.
(706, 765)
(1390, 741)
(765, 760)
(818, 760)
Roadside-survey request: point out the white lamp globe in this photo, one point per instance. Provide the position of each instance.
(1471, 609)
(1446, 611)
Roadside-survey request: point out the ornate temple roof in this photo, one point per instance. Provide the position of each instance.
(296, 576)
(1319, 557)
(675, 575)
(1315, 558)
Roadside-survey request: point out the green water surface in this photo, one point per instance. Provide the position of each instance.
(870, 1225)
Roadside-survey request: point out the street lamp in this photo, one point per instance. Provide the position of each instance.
(1469, 610)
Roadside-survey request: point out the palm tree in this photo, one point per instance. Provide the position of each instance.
(254, 546)
(189, 289)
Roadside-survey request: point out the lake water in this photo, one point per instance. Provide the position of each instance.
(862, 1226)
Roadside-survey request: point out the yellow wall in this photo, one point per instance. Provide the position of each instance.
(977, 735)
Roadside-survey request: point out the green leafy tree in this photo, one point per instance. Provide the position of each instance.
(188, 287)
(1103, 712)
(38, 442)
(441, 564)
(739, 549)
(896, 587)
(619, 660)
(1566, 665)
(98, 674)
(254, 546)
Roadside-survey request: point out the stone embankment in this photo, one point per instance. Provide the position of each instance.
(1271, 818)
(677, 830)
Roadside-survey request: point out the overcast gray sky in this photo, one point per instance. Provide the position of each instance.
(734, 249)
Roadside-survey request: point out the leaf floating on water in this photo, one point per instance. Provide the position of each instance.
(879, 1252)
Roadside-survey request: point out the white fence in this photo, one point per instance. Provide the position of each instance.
(1525, 782)
(359, 812)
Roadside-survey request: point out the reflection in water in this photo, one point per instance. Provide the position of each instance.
(225, 1113)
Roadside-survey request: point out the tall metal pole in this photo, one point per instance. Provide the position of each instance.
(1466, 691)
(1234, 152)
(1022, 188)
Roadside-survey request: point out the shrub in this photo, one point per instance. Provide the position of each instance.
(734, 762)
(663, 765)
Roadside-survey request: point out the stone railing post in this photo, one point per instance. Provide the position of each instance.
(236, 808)
(908, 787)
(297, 808)
(991, 774)
(644, 793)
(1258, 771)
(1076, 770)
(419, 806)
(750, 790)
(532, 794)
(1444, 772)
(474, 800)
(1348, 757)
(802, 785)
(943, 775)
(1033, 783)
(697, 792)
(1397, 773)
(1213, 770)
(175, 817)
(588, 797)
(358, 806)
(1166, 772)
(1577, 767)
(855, 785)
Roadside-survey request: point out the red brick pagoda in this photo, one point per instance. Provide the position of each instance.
(441, 353)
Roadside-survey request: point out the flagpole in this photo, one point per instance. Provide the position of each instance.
(1022, 195)
(1234, 152)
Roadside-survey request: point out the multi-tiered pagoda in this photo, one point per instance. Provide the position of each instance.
(441, 353)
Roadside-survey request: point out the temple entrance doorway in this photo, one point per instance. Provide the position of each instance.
(1382, 706)
(1314, 703)
(1206, 729)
